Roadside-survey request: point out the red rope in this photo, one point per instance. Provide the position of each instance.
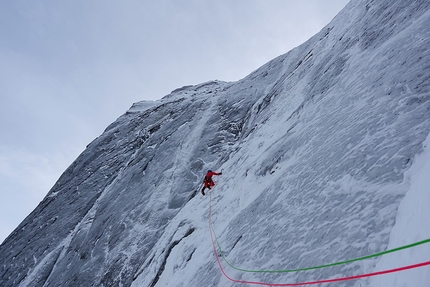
(308, 282)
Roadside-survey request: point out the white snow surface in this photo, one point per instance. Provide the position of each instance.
(325, 157)
(412, 225)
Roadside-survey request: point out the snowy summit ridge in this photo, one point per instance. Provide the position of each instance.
(318, 148)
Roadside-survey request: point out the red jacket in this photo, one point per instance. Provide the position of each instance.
(212, 173)
(208, 178)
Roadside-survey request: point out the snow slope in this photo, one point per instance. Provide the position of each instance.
(323, 159)
(412, 225)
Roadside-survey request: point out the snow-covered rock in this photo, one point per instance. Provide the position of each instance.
(318, 149)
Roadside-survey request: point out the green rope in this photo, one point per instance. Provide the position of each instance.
(320, 266)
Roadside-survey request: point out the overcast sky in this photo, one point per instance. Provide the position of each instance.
(70, 68)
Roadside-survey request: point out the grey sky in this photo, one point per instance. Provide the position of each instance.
(70, 68)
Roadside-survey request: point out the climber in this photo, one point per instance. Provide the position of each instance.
(208, 182)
